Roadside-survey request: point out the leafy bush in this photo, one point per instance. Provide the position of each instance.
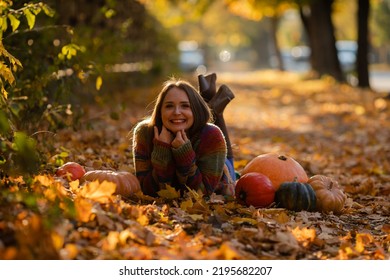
(30, 82)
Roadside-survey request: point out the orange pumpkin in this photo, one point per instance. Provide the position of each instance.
(330, 197)
(126, 183)
(278, 168)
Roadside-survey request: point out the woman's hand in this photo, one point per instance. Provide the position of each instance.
(165, 135)
(180, 139)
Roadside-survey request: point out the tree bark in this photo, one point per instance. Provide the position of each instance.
(274, 30)
(362, 53)
(316, 18)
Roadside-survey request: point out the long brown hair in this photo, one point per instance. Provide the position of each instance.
(199, 107)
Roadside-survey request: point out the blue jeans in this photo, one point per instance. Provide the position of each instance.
(230, 165)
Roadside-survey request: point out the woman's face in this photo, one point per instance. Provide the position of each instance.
(176, 111)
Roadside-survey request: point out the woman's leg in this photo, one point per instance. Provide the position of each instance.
(217, 102)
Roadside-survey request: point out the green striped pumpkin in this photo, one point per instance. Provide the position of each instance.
(296, 196)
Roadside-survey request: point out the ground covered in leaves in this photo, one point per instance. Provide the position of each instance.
(330, 129)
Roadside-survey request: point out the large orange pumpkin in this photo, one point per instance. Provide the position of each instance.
(278, 168)
(126, 183)
(330, 197)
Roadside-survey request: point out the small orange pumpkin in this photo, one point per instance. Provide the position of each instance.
(126, 183)
(278, 168)
(330, 197)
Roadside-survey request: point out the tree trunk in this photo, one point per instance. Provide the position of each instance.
(362, 53)
(274, 30)
(316, 19)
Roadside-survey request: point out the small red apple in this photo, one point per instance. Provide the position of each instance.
(255, 189)
(71, 171)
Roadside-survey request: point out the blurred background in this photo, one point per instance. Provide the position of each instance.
(82, 50)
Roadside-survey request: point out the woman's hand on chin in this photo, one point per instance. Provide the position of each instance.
(180, 139)
(165, 135)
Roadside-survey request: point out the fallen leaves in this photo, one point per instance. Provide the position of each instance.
(197, 227)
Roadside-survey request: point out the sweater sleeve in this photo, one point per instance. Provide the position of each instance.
(202, 170)
(153, 168)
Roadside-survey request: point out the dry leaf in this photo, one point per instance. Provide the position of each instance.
(217, 198)
(184, 205)
(239, 220)
(304, 235)
(169, 193)
(99, 192)
(83, 209)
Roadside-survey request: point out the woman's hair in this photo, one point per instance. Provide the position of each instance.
(199, 107)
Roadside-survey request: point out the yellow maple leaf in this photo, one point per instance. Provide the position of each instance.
(169, 193)
(99, 192)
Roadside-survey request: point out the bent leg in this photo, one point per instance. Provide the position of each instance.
(217, 102)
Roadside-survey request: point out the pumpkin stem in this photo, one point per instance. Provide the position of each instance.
(330, 185)
(282, 157)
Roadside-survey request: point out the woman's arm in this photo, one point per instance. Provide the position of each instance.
(153, 168)
(203, 169)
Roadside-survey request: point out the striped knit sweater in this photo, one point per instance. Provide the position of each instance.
(198, 164)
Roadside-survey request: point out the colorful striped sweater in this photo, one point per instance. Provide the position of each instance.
(198, 164)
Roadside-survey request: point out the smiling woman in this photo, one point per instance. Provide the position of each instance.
(178, 145)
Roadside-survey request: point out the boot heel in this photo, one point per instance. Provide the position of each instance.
(222, 98)
(225, 90)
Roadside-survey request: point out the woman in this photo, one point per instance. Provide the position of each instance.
(179, 146)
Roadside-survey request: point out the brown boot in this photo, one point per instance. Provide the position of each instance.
(207, 87)
(221, 99)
